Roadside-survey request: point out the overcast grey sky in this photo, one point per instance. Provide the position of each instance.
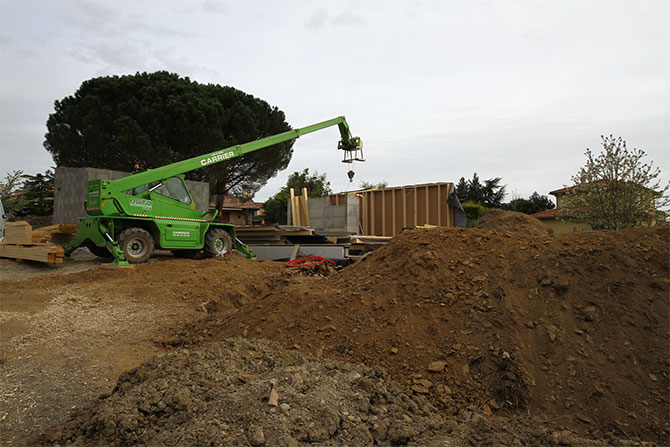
(436, 89)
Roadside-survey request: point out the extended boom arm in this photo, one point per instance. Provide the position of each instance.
(351, 146)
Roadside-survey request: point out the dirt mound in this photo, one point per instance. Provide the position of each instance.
(572, 329)
(491, 337)
(221, 394)
(501, 220)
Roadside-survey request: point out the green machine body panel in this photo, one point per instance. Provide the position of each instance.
(179, 234)
(158, 202)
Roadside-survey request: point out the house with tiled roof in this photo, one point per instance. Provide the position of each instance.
(551, 217)
(238, 211)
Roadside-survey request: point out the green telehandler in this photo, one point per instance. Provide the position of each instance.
(130, 217)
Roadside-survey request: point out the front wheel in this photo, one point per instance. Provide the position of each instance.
(137, 245)
(217, 243)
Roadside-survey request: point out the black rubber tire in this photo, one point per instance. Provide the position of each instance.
(186, 254)
(137, 245)
(100, 252)
(217, 243)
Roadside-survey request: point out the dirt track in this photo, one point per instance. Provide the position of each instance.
(567, 333)
(66, 338)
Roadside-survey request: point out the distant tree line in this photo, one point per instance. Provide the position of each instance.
(534, 204)
(615, 189)
(369, 185)
(476, 196)
(491, 193)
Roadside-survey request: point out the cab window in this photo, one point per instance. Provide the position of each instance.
(174, 189)
(141, 189)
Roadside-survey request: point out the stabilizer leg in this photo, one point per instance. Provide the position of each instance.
(242, 248)
(113, 246)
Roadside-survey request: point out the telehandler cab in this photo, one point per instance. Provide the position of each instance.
(132, 216)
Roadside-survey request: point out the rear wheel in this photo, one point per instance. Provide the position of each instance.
(137, 245)
(217, 243)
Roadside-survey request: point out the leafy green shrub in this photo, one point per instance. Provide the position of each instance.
(472, 212)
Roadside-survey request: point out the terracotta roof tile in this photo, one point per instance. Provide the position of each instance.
(232, 202)
(546, 214)
(559, 191)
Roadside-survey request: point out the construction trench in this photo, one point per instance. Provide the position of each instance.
(501, 335)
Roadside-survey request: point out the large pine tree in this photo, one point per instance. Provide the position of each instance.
(154, 119)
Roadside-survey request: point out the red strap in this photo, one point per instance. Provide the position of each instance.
(305, 262)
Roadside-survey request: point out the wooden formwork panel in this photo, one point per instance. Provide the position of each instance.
(385, 212)
(299, 208)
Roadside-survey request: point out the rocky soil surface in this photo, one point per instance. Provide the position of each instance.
(252, 392)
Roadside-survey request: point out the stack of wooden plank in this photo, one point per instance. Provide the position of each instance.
(46, 234)
(359, 245)
(278, 235)
(268, 235)
(356, 244)
(22, 242)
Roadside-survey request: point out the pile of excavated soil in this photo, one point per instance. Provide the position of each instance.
(572, 329)
(493, 338)
(501, 220)
(254, 393)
